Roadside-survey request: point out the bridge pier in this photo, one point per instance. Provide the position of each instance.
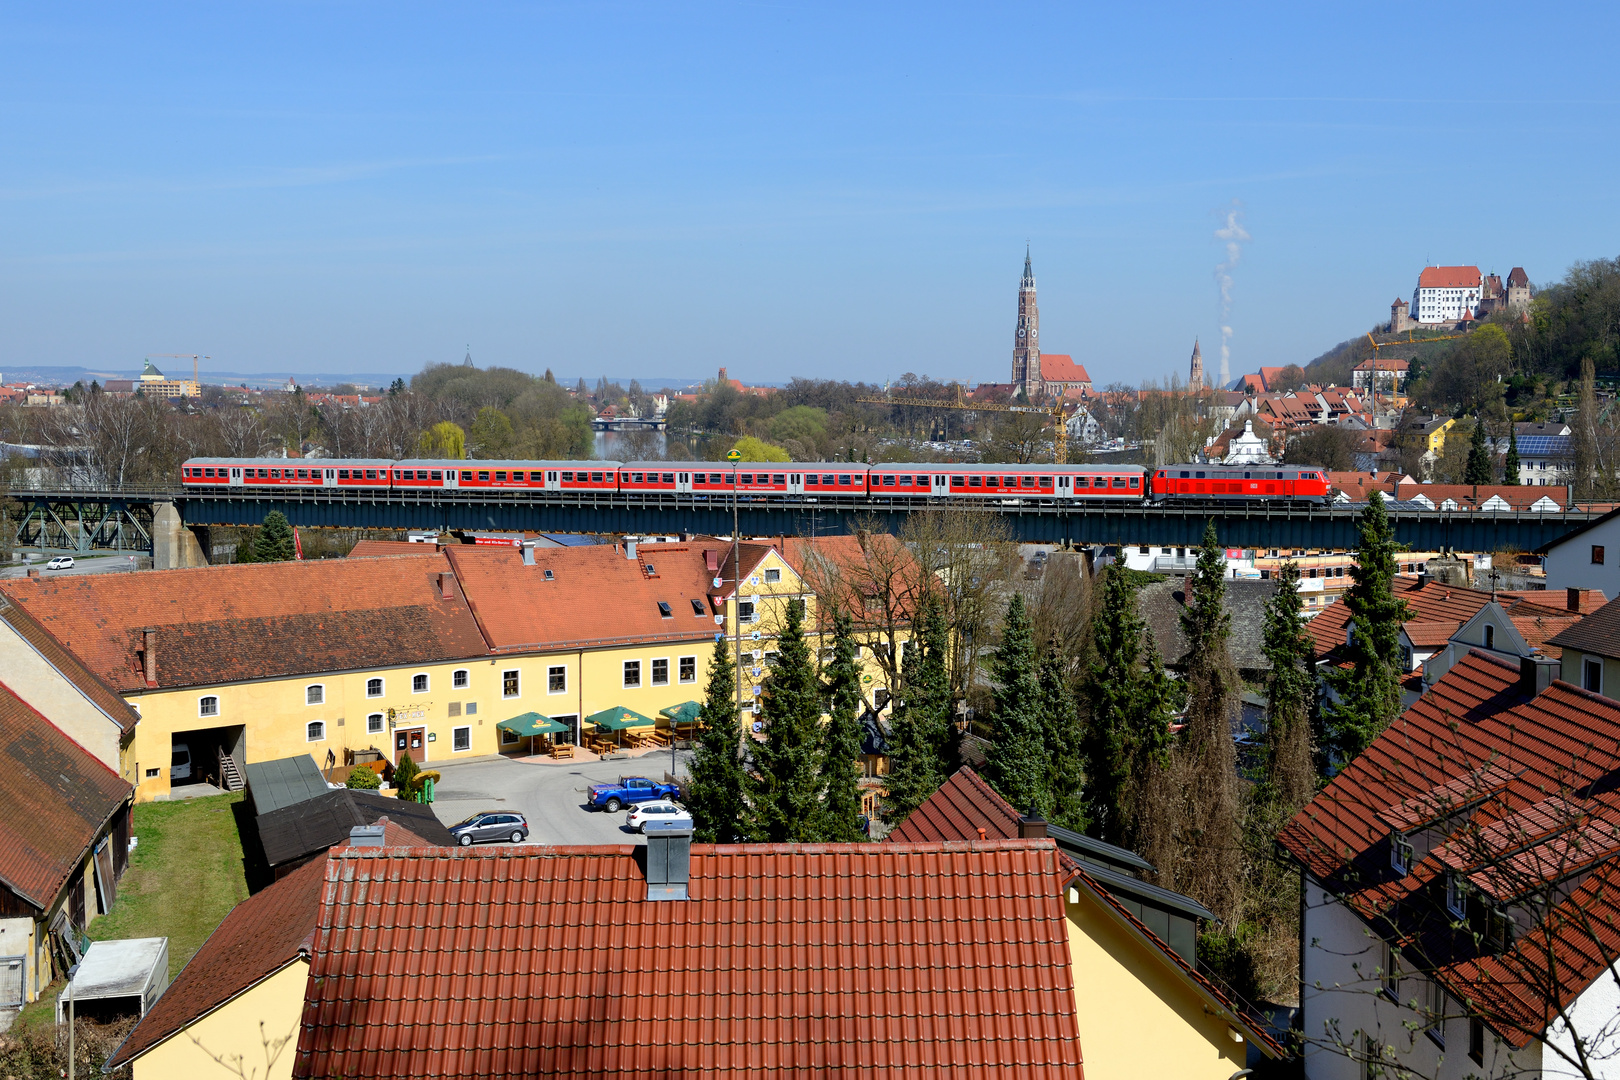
(174, 546)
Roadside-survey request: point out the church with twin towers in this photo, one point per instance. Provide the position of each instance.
(1039, 375)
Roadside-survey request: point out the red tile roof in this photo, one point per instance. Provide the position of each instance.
(883, 960)
(71, 667)
(1597, 633)
(1060, 367)
(367, 549)
(1384, 363)
(1449, 277)
(1586, 602)
(260, 936)
(223, 623)
(1511, 754)
(55, 799)
(1467, 496)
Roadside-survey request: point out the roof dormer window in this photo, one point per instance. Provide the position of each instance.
(1400, 854)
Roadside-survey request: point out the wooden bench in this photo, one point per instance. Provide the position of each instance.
(562, 750)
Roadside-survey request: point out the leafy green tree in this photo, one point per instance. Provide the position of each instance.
(1061, 736)
(275, 540)
(841, 740)
(1510, 464)
(491, 433)
(753, 449)
(1287, 774)
(1479, 468)
(1369, 691)
(443, 440)
(1016, 763)
(408, 779)
(922, 746)
(714, 795)
(1206, 831)
(783, 793)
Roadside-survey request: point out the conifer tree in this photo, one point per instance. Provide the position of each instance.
(407, 778)
(1061, 736)
(1478, 470)
(275, 540)
(841, 740)
(1206, 836)
(1510, 464)
(1369, 691)
(1287, 777)
(715, 794)
(1016, 763)
(921, 737)
(782, 794)
(1112, 694)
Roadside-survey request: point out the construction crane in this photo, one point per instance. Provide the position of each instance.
(1410, 340)
(1060, 439)
(180, 356)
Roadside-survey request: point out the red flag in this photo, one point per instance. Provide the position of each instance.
(298, 545)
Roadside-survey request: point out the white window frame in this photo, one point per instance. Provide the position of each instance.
(772, 576)
(679, 663)
(455, 734)
(552, 672)
(517, 683)
(752, 616)
(382, 686)
(1401, 854)
(309, 731)
(652, 672)
(1589, 665)
(427, 683)
(202, 705)
(460, 679)
(381, 725)
(626, 684)
(319, 690)
(1434, 1002)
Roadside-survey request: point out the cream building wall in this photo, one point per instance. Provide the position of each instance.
(246, 1033)
(51, 694)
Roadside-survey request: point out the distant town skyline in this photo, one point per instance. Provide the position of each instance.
(831, 192)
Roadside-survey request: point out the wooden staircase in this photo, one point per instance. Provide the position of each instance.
(230, 777)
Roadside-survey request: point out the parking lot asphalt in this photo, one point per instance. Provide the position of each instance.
(550, 796)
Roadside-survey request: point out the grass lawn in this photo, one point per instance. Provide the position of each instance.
(184, 877)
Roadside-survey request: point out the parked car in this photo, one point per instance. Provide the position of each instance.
(491, 825)
(180, 763)
(659, 810)
(629, 789)
(61, 562)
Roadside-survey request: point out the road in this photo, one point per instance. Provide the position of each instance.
(550, 796)
(89, 564)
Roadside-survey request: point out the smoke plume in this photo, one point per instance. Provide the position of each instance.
(1233, 235)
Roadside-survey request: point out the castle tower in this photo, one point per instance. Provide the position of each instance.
(1399, 320)
(1195, 374)
(1026, 365)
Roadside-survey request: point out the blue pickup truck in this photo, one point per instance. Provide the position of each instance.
(629, 789)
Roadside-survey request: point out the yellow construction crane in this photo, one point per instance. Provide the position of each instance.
(179, 356)
(1410, 340)
(1060, 440)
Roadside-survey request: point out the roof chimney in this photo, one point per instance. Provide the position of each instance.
(1032, 826)
(366, 836)
(1572, 598)
(669, 859)
(1536, 673)
(33, 571)
(630, 549)
(447, 587)
(149, 654)
(528, 554)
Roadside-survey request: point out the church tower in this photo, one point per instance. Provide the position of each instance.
(1195, 374)
(1026, 365)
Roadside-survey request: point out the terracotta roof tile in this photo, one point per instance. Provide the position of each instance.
(1586, 600)
(55, 797)
(887, 960)
(362, 613)
(1060, 367)
(1598, 633)
(259, 937)
(1449, 277)
(1512, 753)
(370, 549)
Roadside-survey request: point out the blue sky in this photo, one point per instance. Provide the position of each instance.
(818, 190)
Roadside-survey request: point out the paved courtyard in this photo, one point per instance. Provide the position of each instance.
(550, 795)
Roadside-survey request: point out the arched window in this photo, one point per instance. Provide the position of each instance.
(374, 724)
(316, 731)
(208, 706)
(458, 679)
(419, 683)
(315, 694)
(374, 688)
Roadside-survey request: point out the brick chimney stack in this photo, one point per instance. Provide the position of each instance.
(149, 655)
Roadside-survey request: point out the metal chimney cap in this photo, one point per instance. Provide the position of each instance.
(366, 836)
(666, 828)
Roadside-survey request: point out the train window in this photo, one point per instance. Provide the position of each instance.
(208, 472)
(568, 478)
(499, 476)
(716, 478)
(437, 475)
(483, 474)
(1247, 476)
(888, 481)
(635, 478)
(1184, 474)
(1198, 475)
(466, 474)
(264, 474)
(303, 474)
(973, 481)
(747, 478)
(1136, 481)
(1046, 482)
(1119, 481)
(518, 475)
(596, 478)
(956, 481)
(812, 480)
(669, 477)
(731, 478)
(371, 474)
(826, 480)
(905, 481)
(778, 478)
(1082, 481)
(993, 481)
(1029, 482)
(343, 474)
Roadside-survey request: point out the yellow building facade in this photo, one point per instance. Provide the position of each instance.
(255, 1033)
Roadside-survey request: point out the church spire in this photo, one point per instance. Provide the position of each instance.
(1195, 374)
(1028, 281)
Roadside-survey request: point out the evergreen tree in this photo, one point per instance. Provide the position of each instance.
(1478, 470)
(783, 792)
(1061, 736)
(550, 378)
(1287, 777)
(715, 794)
(1510, 464)
(1016, 763)
(841, 740)
(275, 540)
(1112, 695)
(407, 779)
(922, 744)
(1206, 835)
(1369, 691)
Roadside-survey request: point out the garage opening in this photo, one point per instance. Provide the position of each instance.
(216, 756)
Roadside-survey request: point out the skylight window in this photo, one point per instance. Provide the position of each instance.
(663, 609)
(697, 608)
(549, 575)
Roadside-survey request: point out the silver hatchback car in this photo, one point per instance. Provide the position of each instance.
(492, 825)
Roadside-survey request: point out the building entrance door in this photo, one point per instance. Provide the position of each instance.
(412, 740)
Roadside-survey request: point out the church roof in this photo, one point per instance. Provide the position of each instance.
(1060, 367)
(151, 372)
